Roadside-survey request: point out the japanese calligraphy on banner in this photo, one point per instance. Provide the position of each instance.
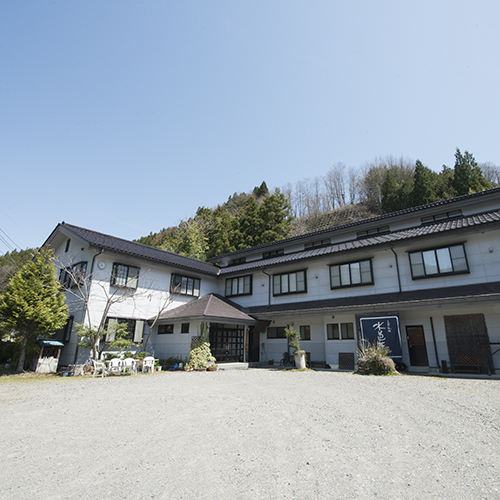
(384, 330)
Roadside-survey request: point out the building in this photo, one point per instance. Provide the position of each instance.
(426, 280)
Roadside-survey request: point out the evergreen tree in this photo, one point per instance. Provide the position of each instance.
(423, 189)
(33, 303)
(276, 216)
(468, 176)
(390, 194)
(219, 233)
(248, 226)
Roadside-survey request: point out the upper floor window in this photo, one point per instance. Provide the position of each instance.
(185, 285)
(239, 286)
(184, 327)
(437, 261)
(351, 274)
(372, 232)
(318, 243)
(123, 275)
(342, 331)
(440, 217)
(240, 260)
(273, 253)
(73, 275)
(289, 283)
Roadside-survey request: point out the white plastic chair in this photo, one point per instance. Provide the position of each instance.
(148, 364)
(114, 366)
(130, 365)
(98, 366)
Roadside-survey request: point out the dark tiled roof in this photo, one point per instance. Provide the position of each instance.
(417, 298)
(208, 308)
(142, 251)
(364, 221)
(387, 238)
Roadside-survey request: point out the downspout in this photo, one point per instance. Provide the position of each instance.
(268, 306)
(269, 289)
(434, 341)
(397, 267)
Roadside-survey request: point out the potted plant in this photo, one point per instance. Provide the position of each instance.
(293, 337)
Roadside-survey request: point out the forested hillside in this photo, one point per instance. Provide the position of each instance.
(341, 196)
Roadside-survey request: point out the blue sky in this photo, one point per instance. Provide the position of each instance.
(126, 116)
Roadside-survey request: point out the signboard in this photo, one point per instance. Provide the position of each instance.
(383, 329)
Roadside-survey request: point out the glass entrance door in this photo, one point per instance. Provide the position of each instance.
(227, 342)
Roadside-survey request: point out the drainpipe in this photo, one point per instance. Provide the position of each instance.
(397, 267)
(269, 287)
(434, 341)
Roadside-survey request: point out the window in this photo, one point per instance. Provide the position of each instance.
(240, 260)
(239, 286)
(273, 253)
(440, 217)
(276, 332)
(73, 276)
(372, 232)
(351, 274)
(305, 332)
(435, 262)
(134, 329)
(184, 285)
(66, 249)
(185, 328)
(318, 243)
(164, 329)
(289, 283)
(342, 331)
(126, 276)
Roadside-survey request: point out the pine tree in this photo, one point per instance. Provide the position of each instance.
(33, 303)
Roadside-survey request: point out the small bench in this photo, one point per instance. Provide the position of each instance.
(467, 363)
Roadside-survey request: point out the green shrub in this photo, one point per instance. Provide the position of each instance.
(374, 360)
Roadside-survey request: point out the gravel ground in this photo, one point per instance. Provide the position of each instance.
(254, 433)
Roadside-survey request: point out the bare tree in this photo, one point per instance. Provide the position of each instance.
(78, 283)
(491, 172)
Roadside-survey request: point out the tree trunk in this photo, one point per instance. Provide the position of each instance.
(22, 353)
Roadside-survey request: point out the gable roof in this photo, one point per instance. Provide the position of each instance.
(139, 250)
(385, 238)
(385, 301)
(212, 307)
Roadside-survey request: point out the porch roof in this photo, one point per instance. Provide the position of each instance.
(212, 307)
(385, 301)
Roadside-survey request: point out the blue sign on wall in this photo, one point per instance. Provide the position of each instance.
(383, 329)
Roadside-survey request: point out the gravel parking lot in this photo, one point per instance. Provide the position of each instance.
(254, 433)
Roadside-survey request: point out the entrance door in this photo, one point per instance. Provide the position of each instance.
(416, 346)
(227, 342)
(253, 345)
